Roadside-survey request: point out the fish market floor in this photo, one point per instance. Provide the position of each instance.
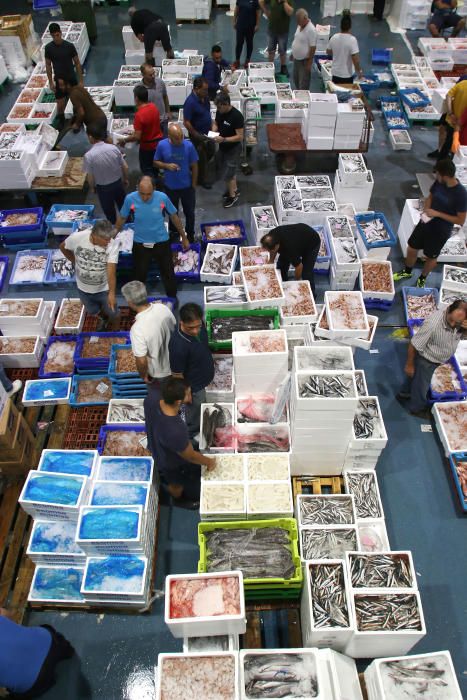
(116, 653)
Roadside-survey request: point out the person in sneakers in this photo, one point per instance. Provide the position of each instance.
(456, 104)
(433, 344)
(278, 13)
(61, 61)
(247, 15)
(212, 70)
(229, 123)
(445, 207)
(10, 387)
(303, 50)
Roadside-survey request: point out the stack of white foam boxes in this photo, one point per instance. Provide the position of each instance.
(321, 428)
(263, 219)
(364, 452)
(353, 182)
(345, 261)
(262, 370)
(128, 78)
(323, 32)
(299, 200)
(134, 48)
(409, 14)
(193, 10)
(349, 128)
(319, 126)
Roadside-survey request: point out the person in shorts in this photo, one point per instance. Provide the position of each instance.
(444, 17)
(278, 13)
(95, 256)
(445, 207)
(229, 123)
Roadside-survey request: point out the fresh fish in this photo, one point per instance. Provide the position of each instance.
(390, 611)
(380, 571)
(215, 418)
(329, 604)
(222, 327)
(226, 295)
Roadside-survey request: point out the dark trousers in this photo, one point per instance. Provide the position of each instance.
(111, 196)
(344, 81)
(146, 162)
(244, 34)
(420, 383)
(206, 151)
(4, 381)
(187, 197)
(60, 649)
(162, 254)
(308, 262)
(378, 8)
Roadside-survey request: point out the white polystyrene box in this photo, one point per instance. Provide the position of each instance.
(180, 693)
(53, 496)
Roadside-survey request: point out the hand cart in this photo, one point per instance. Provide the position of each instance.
(251, 109)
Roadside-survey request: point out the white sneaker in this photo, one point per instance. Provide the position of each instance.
(17, 385)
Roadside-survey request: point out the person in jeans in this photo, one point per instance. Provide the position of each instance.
(212, 70)
(10, 387)
(444, 17)
(229, 123)
(29, 656)
(344, 51)
(297, 245)
(178, 158)
(432, 345)
(303, 50)
(191, 359)
(157, 94)
(278, 13)
(94, 255)
(247, 15)
(61, 61)
(198, 122)
(149, 334)
(151, 239)
(147, 130)
(107, 172)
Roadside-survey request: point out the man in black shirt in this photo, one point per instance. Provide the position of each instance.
(62, 57)
(149, 28)
(247, 15)
(298, 245)
(229, 123)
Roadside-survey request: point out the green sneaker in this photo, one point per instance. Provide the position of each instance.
(421, 282)
(401, 275)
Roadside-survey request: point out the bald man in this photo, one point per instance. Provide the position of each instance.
(178, 158)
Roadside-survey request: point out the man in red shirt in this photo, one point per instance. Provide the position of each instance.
(147, 131)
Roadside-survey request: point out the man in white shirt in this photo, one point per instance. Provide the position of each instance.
(303, 50)
(150, 334)
(94, 254)
(343, 48)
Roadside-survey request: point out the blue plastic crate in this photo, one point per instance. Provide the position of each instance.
(33, 242)
(168, 301)
(105, 429)
(74, 391)
(30, 283)
(55, 339)
(379, 304)
(424, 100)
(130, 393)
(116, 376)
(400, 115)
(362, 218)
(81, 225)
(373, 83)
(4, 262)
(189, 276)
(454, 459)
(390, 103)
(451, 395)
(95, 363)
(53, 278)
(384, 81)
(417, 292)
(22, 228)
(225, 241)
(381, 56)
(64, 228)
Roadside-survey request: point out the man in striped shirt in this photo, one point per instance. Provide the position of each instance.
(431, 346)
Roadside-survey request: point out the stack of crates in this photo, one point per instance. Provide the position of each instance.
(211, 314)
(21, 235)
(125, 384)
(99, 364)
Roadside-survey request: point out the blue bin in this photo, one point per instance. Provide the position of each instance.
(381, 56)
(95, 364)
(434, 396)
(168, 301)
(22, 228)
(52, 278)
(64, 228)
(225, 241)
(362, 218)
(417, 292)
(74, 391)
(55, 339)
(29, 284)
(400, 115)
(424, 100)
(4, 262)
(117, 376)
(454, 459)
(378, 304)
(188, 276)
(34, 241)
(106, 429)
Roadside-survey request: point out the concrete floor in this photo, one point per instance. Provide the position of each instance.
(116, 653)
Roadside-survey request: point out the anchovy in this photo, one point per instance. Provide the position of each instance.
(330, 543)
(363, 487)
(326, 510)
(328, 597)
(386, 612)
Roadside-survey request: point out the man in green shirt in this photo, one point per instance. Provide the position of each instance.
(278, 13)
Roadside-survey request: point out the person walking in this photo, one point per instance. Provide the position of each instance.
(432, 345)
(178, 158)
(149, 334)
(147, 130)
(456, 105)
(107, 172)
(191, 359)
(29, 657)
(378, 9)
(212, 70)
(177, 461)
(445, 17)
(247, 14)
(445, 207)
(10, 387)
(278, 13)
(61, 61)
(344, 51)
(95, 257)
(151, 239)
(303, 50)
(229, 122)
(85, 110)
(198, 122)
(297, 245)
(149, 27)
(157, 94)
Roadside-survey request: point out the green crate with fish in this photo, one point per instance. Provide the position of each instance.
(266, 551)
(221, 323)
(265, 594)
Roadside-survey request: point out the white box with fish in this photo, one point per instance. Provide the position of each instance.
(225, 297)
(327, 541)
(205, 604)
(263, 286)
(125, 469)
(222, 386)
(222, 500)
(263, 437)
(81, 462)
(299, 306)
(263, 219)
(352, 169)
(216, 428)
(104, 530)
(197, 675)
(343, 394)
(74, 330)
(373, 535)
(53, 496)
(269, 499)
(11, 348)
(125, 411)
(57, 584)
(390, 571)
(363, 343)
(43, 392)
(364, 486)
(219, 263)
(346, 314)
(369, 432)
(324, 509)
(332, 358)
(123, 578)
(52, 543)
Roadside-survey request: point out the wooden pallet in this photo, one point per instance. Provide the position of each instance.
(287, 627)
(317, 485)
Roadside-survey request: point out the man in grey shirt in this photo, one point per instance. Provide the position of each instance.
(432, 345)
(157, 94)
(107, 172)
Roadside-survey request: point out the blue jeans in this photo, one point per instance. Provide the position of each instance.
(98, 302)
(7, 385)
(420, 383)
(279, 41)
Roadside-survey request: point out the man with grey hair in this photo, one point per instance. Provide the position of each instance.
(303, 50)
(94, 253)
(150, 334)
(229, 123)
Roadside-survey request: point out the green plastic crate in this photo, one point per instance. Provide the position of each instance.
(227, 313)
(260, 584)
(47, 97)
(264, 595)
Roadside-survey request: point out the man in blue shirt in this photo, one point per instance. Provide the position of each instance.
(178, 158)
(28, 657)
(191, 359)
(151, 238)
(198, 122)
(212, 70)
